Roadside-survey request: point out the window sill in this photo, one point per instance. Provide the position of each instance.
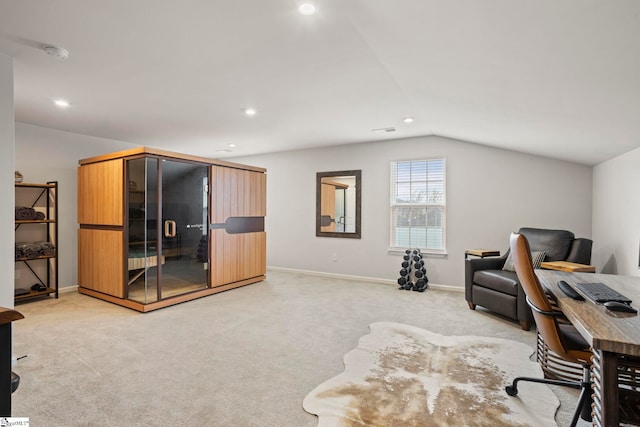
(425, 253)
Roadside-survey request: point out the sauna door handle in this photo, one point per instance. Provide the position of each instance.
(169, 228)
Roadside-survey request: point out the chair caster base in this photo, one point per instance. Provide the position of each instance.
(511, 390)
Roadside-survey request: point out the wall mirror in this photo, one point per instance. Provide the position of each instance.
(338, 204)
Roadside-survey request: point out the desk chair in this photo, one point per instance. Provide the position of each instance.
(561, 337)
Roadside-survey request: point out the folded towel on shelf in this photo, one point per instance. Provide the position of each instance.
(20, 246)
(31, 250)
(40, 216)
(24, 213)
(46, 248)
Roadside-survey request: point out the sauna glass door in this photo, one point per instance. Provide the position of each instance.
(184, 227)
(142, 225)
(340, 215)
(167, 233)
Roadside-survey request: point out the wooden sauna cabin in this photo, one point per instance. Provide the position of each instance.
(157, 228)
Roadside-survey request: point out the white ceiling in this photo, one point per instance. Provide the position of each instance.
(559, 78)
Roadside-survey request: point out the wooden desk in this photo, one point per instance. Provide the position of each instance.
(7, 316)
(571, 267)
(614, 337)
(481, 253)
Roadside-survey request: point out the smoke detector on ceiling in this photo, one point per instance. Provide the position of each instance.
(388, 129)
(56, 51)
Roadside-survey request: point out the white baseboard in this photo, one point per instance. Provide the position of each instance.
(448, 288)
(360, 278)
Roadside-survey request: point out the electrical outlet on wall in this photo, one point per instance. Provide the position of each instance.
(334, 257)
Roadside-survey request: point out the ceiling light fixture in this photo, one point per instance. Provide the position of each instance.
(250, 112)
(408, 119)
(62, 103)
(232, 145)
(56, 51)
(308, 8)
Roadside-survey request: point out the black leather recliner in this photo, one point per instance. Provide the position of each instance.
(488, 285)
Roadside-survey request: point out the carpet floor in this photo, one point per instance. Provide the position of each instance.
(246, 357)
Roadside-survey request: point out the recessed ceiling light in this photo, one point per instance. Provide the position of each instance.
(250, 112)
(307, 8)
(408, 119)
(223, 151)
(62, 103)
(232, 145)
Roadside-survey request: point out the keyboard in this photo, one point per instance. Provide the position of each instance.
(599, 292)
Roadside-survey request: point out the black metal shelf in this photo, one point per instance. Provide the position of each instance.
(36, 258)
(48, 280)
(33, 294)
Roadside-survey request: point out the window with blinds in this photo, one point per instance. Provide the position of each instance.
(418, 205)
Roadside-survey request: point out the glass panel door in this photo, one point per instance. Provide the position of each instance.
(142, 225)
(340, 210)
(184, 227)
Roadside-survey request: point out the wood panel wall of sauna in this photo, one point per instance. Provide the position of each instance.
(101, 237)
(100, 253)
(101, 193)
(235, 195)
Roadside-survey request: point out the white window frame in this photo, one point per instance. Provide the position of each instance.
(437, 201)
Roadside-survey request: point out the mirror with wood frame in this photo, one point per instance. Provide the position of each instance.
(338, 204)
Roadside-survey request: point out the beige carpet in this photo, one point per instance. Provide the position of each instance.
(246, 357)
(400, 375)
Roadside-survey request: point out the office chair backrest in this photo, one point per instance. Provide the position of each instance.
(546, 323)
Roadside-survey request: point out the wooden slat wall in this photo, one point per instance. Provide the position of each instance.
(236, 193)
(101, 193)
(328, 204)
(100, 255)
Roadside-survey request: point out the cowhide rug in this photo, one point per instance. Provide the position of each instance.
(400, 375)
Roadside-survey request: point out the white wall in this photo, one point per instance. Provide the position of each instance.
(616, 214)
(490, 192)
(43, 154)
(6, 180)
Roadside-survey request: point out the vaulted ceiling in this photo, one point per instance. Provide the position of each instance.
(558, 78)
